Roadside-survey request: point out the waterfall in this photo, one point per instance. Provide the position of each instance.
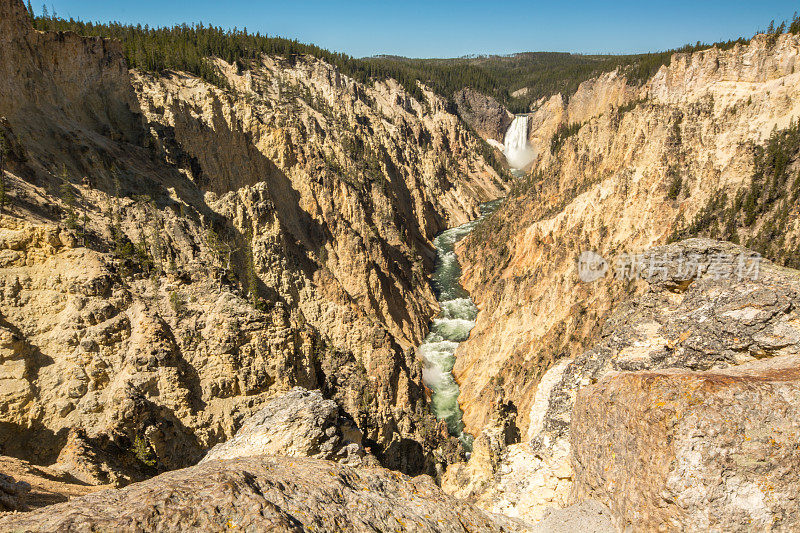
(518, 152)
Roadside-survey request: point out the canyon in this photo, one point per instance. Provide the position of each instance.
(226, 249)
(329, 304)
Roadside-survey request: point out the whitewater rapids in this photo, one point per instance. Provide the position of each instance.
(450, 328)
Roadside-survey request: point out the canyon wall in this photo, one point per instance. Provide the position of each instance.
(607, 188)
(638, 166)
(174, 253)
(484, 114)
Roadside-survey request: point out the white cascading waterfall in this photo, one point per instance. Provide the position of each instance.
(518, 152)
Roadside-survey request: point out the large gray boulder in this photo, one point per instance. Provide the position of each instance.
(299, 423)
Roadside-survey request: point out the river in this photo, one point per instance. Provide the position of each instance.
(450, 328)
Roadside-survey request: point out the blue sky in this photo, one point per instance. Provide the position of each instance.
(418, 28)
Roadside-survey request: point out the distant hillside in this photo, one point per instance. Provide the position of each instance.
(518, 80)
(515, 80)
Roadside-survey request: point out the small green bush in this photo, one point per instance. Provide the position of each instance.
(141, 449)
(178, 302)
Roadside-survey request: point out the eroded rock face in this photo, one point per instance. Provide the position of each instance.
(268, 494)
(680, 450)
(299, 423)
(485, 114)
(87, 349)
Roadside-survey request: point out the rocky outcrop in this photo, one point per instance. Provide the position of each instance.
(679, 322)
(299, 423)
(485, 114)
(671, 344)
(720, 447)
(268, 493)
(717, 442)
(175, 254)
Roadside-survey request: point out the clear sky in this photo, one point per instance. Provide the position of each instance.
(452, 28)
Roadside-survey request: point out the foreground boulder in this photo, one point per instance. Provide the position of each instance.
(299, 423)
(267, 494)
(696, 322)
(693, 451)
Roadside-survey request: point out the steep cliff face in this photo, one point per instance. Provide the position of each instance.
(376, 175)
(76, 84)
(486, 115)
(642, 163)
(593, 98)
(173, 254)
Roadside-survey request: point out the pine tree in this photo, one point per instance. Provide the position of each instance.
(68, 197)
(252, 276)
(142, 251)
(3, 155)
(31, 14)
(794, 27)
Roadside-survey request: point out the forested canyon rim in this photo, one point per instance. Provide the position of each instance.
(215, 286)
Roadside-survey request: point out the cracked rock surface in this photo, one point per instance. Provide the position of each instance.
(268, 494)
(299, 423)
